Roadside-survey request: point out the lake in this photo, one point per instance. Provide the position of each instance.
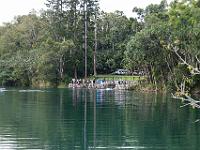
(73, 119)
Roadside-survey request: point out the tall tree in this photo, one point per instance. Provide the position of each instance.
(95, 44)
(86, 36)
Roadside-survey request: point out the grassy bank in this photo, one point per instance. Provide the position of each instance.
(118, 77)
(142, 84)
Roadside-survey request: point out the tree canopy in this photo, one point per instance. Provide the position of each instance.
(163, 41)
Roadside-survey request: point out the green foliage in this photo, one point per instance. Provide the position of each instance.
(114, 30)
(163, 41)
(168, 45)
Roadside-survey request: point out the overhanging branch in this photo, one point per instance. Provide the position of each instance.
(194, 70)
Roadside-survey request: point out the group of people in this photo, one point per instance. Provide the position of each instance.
(99, 84)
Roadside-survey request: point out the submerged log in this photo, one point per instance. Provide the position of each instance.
(190, 101)
(185, 98)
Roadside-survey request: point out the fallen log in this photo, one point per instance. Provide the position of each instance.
(185, 98)
(190, 101)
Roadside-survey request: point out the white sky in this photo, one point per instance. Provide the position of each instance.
(11, 8)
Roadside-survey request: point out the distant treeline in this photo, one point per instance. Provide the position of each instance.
(55, 46)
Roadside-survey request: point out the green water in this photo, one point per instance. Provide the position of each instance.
(68, 119)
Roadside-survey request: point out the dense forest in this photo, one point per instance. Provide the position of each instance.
(75, 39)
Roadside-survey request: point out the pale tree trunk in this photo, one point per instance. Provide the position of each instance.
(153, 76)
(183, 87)
(61, 67)
(95, 46)
(75, 72)
(85, 36)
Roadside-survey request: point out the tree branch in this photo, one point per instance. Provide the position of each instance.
(197, 59)
(194, 70)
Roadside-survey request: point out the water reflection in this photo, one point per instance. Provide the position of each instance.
(99, 96)
(85, 121)
(95, 119)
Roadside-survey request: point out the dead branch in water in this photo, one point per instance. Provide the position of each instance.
(192, 102)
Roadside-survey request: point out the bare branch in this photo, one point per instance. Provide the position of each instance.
(194, 70)
(197, 59)
(186, 98)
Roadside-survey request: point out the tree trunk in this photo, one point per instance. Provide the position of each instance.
(150, 73)
(61, 70)
(75, 72)
(95, 45)
(85, 36)
(153, 76)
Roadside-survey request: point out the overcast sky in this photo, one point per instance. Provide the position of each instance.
(11, 8)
